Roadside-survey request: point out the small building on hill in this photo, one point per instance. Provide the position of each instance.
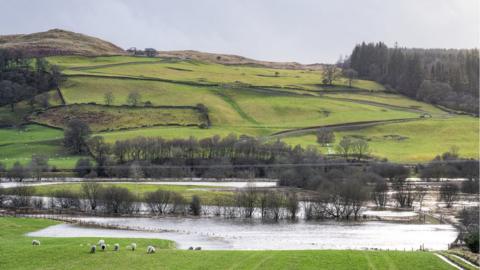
(150, 52)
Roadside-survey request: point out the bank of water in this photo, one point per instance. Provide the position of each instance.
(238, 234)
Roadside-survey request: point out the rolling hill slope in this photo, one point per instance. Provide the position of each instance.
(59, 42)
(270, 103)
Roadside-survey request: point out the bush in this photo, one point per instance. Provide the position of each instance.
(471, 240)
(83, 167)
(158, 201)
(22, 196)
(118, 200)
(65, 199)
(195, 206)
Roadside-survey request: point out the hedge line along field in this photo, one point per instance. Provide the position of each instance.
(17, 252)
(415, 141)
(107, 118)
(206, 194)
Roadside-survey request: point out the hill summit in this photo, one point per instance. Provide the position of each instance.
(59, 42)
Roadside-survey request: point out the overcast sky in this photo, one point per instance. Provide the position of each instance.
(306, 31)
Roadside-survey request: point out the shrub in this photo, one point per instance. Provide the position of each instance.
(195, 206)
(22, 196)
(65, 199)
(118, 200)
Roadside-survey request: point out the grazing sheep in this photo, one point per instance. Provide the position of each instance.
(190, 248)
(101, 242)
(35, 243)
(103, 247)
(150, 250)
(133, 246)
(198, 248)
(93, 248)
(116, 247)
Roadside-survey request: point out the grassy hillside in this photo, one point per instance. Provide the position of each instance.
(72, 253)
(256, 101)
(415, 141)
(196, 72)
(107, 118)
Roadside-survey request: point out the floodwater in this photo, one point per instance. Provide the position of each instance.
(220, 233)
(232, 184)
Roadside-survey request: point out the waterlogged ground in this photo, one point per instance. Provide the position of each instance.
(229, 184)
(220, 233)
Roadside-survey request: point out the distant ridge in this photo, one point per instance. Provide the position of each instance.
(229, 59)
(59, 42)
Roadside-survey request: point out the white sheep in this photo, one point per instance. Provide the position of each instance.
(35, 243)
(101, 242)
(150, 250)
(93, 248)
(103, 247)
(116, 247)
(133, 246)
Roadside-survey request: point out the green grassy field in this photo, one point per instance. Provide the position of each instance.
(16, 252)
(248, 100)
(206, 194)
(21, 144)
(415, 141)
(199, 72)
(107, 118)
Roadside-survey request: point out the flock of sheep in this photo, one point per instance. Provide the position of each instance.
(116, 247)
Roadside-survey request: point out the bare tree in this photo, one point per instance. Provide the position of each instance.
(159, 200)
(38, 164)
(325, 137)
(380, 193)
(351, 75)
(360, 148)
(92, 192)
(291, 204)
(448, 193)
(421, 193)
(108, 98)
(330, 73)
(76, 134)
(246, 200)
(134, 98)
(345, 147)
(17, 172)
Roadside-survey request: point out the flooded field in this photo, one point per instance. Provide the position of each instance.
(229, 184)
(219, 233)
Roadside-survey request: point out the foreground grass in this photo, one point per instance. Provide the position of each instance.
(207, 194)
(16, 252)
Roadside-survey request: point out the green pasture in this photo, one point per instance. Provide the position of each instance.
(416, 141)
(200, 72)
(17, 252)
(207, 194)
(19, 144)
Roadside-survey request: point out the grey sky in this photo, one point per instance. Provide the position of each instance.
(297, 30)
